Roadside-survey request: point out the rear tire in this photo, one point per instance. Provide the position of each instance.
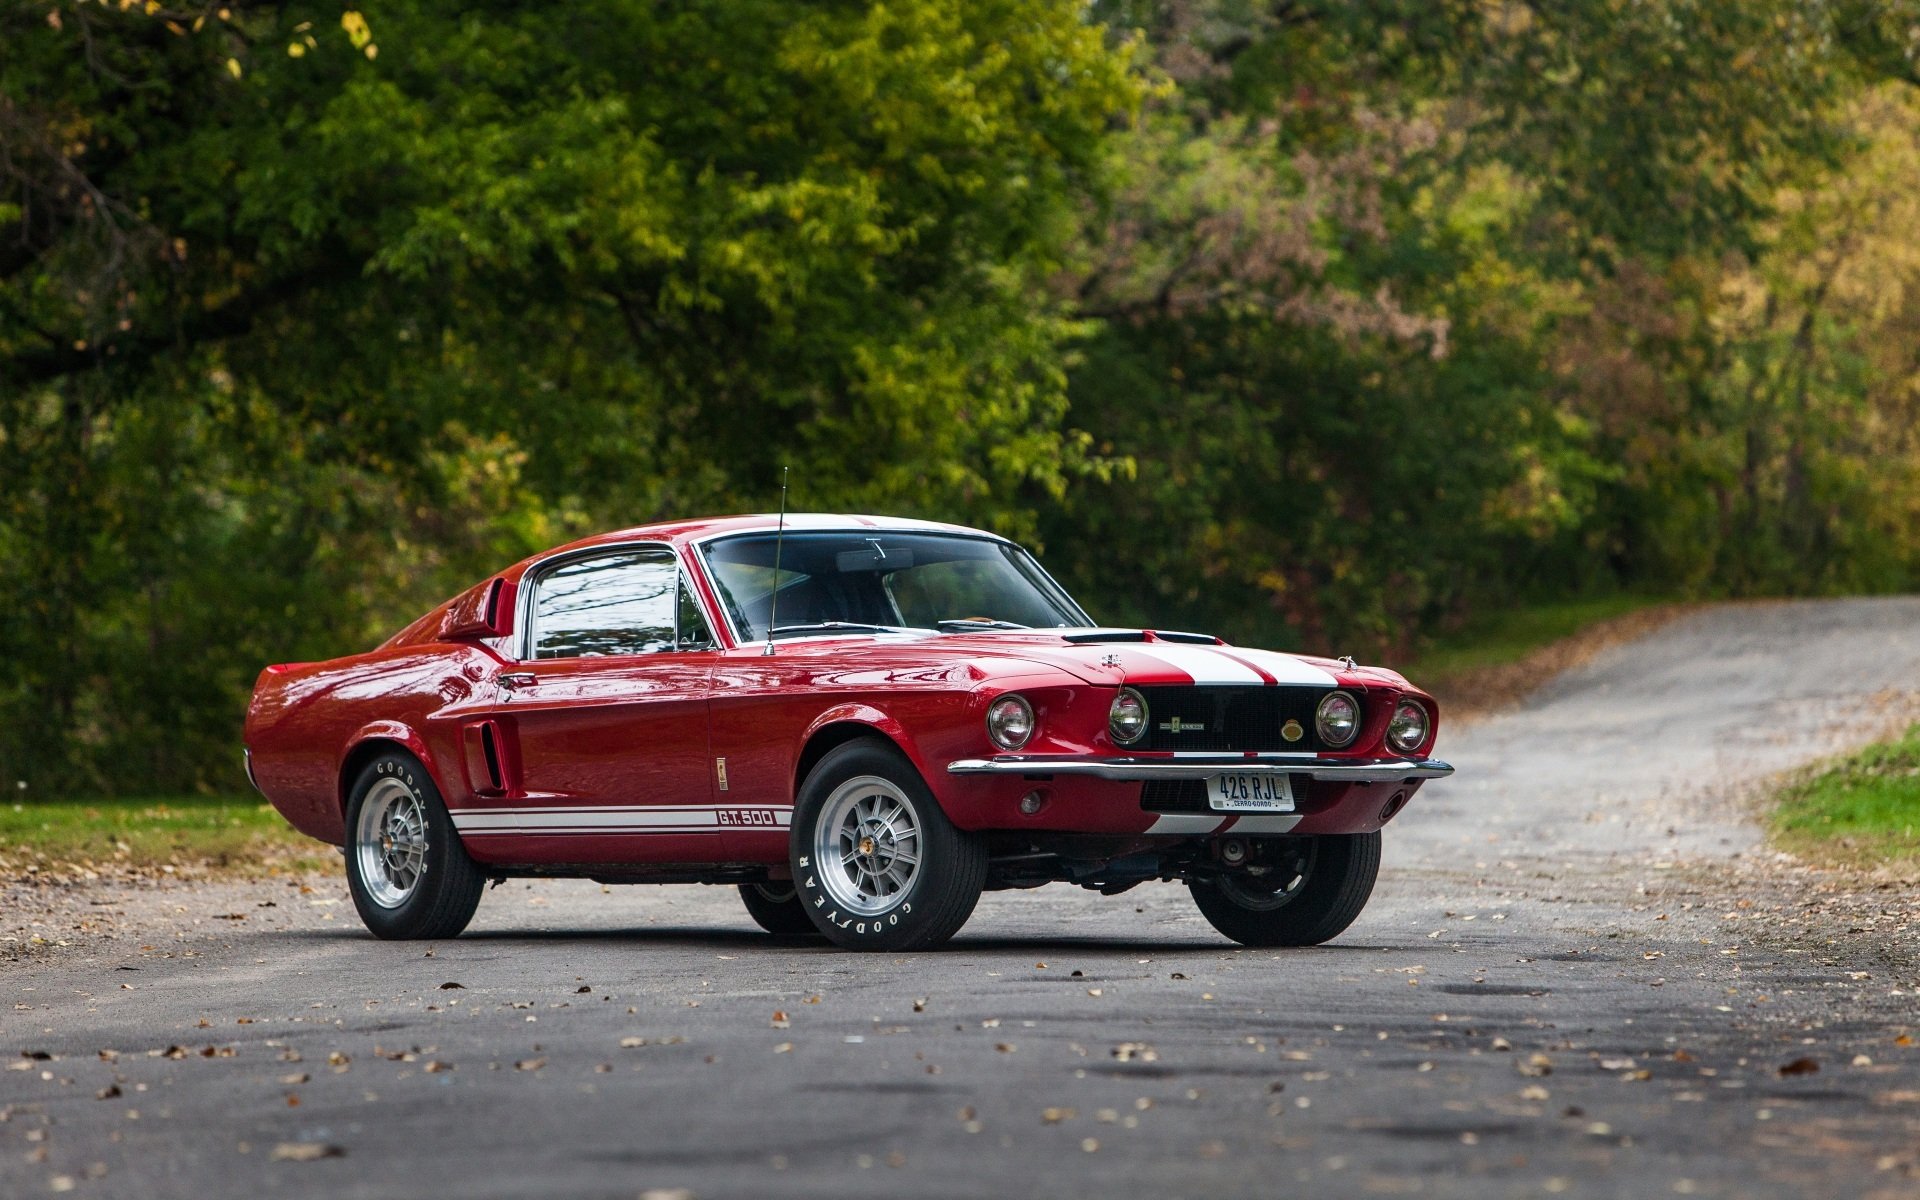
(407, 870)
(1303, 909)
(875, 861)
(776, 908)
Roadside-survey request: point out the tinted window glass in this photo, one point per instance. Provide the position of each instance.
(613, 604)
(883, 580)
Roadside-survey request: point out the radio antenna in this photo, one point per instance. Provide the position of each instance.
(779, 539)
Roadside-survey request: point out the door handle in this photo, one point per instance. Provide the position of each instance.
(518, 679)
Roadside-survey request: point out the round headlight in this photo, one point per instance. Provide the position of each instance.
(1337, 720)
(1127, 719)
(1010, 722)
(1408, 729)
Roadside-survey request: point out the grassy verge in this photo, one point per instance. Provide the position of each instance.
(170, 835)
(1497, 658)
(1861, 810)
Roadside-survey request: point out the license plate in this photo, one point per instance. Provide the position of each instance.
(1250, 793)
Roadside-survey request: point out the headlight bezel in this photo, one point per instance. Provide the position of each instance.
(1320, 726)
(1400, 745)
(996, 729)
(1146, 717)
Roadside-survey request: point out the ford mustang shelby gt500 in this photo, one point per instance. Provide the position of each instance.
(861, 722)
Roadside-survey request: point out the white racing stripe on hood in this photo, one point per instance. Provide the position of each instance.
(1203, 664)
(1285, 668)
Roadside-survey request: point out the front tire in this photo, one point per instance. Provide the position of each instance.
(409, 875)
(1311, 899)
(876, 863)
(776, 908)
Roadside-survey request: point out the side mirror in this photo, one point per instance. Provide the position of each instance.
(482, 611)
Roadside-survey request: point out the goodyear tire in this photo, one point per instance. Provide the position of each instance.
(776, 908)
(876, 863)
(409, 874)
(1311, 901)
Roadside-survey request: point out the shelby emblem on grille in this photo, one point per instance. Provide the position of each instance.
(1178, 726)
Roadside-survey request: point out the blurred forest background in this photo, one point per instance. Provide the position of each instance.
(1320, 325)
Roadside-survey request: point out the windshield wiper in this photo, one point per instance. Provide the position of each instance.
(979, 623)
(834, 627)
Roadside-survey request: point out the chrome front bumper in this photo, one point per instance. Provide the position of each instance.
(1366, 770)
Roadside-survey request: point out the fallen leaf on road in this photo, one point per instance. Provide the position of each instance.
(629, 1043)
(450, 985)
(780, 1020)
(1535, 1065)
(300, 1077)
(1800, 1066)
(582, 990)
(1053, 1116)
(108, 1092)
(305, 1151)
(529, 1064)
(1129, 1051)
(1004, 1047)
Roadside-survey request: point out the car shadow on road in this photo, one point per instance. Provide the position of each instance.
(707, 937)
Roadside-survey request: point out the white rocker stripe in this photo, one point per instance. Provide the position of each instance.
(610, 819)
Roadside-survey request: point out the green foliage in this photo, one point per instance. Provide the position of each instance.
(306, 322)
(144, 836)
(1864, 808)
(1325, 325)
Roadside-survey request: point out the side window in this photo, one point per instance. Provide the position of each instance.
(694, 634)
(614, 604)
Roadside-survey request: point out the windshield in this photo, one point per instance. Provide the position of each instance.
(877, 581)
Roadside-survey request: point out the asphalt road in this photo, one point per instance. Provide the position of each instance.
(1581, 975)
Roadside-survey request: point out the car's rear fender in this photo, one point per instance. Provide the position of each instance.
(373, 740)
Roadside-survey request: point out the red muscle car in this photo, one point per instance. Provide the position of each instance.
(861, 722)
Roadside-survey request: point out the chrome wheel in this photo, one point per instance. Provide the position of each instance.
(390, 842)
(867, 845)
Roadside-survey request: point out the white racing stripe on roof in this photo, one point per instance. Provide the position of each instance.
(1285, 668)
(1205, 665)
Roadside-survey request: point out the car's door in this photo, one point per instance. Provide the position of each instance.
(608, 715)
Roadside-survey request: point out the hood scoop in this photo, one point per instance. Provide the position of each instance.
(1102, 636)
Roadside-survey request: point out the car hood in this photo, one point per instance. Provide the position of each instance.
(1145, 658)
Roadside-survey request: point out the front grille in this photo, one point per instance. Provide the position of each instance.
(1174, 796)
(1230, 718)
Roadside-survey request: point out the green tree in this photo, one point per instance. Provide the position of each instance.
(306, 320)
